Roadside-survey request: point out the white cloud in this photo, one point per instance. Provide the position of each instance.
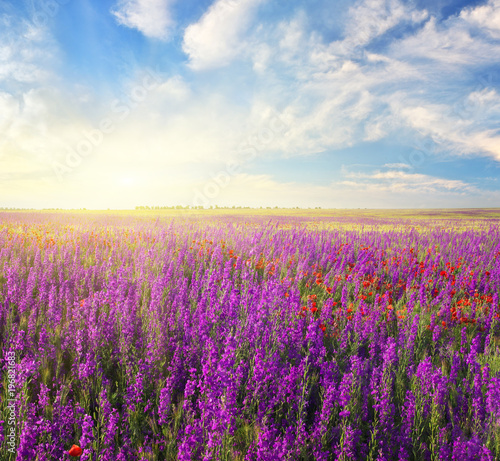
(403, 181)
(217, 37)
(400, 166)
(370, 19)
(26, 53)
(373, 191)
(486, 17)
(450, 43)
(151, 17)
(455, 132)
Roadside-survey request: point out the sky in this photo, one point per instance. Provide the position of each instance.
(337, 104)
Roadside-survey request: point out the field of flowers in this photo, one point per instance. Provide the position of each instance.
(248, 338)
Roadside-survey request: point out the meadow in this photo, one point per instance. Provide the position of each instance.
(250, 335)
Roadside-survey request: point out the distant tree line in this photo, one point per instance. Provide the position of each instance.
(214, 207)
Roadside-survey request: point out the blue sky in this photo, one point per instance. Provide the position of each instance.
(368, 103)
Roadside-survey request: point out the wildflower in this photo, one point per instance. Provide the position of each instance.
(75, 450)
(314, 309)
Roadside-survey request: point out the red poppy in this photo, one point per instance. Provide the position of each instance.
(75, 450)
(314, 309)
(443, 323)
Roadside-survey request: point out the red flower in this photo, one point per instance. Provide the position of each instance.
(314, 309)
(443, 323)
(322, 327)
(75, 450)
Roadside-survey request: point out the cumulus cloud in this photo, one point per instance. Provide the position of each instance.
(217, 37)
(486, 17)
(151, 17)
